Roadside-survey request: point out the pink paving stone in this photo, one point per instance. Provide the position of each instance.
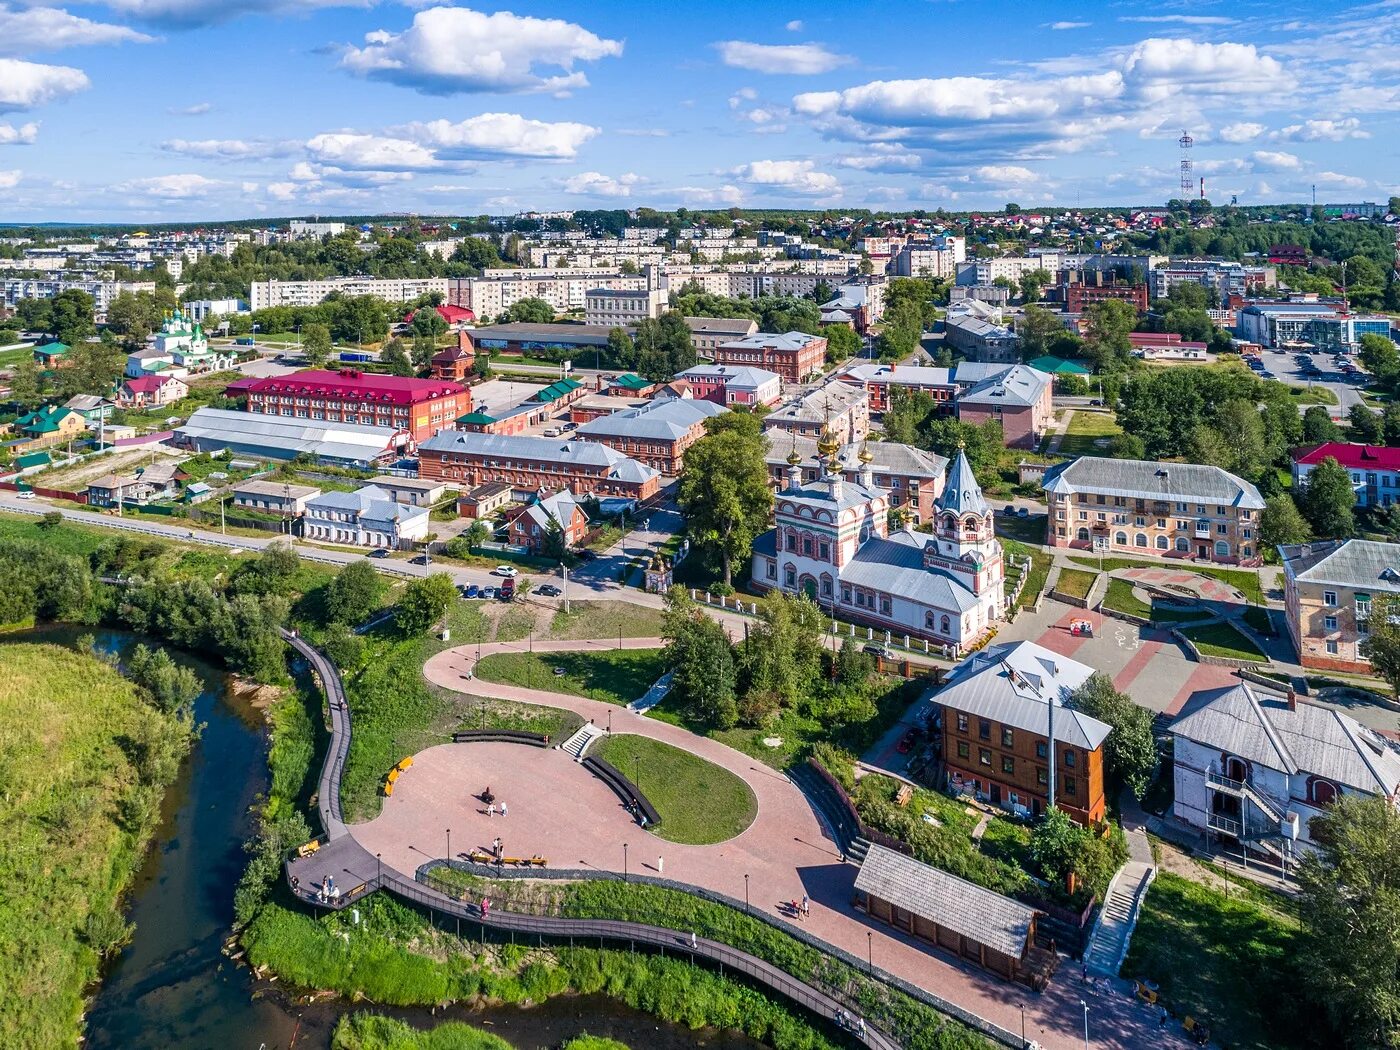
(1206, 676)
(1133, 668)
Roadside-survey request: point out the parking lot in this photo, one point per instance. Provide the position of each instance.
(1289, 368)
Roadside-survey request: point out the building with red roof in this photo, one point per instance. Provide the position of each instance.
(1374, 469)
(451, 314)
(151, 389)
(419, 407)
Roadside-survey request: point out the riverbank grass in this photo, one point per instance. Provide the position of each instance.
(698, 802)
(84, 761)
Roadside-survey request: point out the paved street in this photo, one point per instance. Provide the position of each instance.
(1286, 370)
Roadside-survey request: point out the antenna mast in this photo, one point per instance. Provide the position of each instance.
(1188, 181)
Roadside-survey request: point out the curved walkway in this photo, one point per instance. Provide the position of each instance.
(787, 852)
(344, 855)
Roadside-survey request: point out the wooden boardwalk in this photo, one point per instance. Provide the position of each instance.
(357, 872)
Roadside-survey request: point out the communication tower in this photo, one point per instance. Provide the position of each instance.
(1188, 181)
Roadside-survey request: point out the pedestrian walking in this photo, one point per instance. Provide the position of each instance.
(1161, 1016)
(490, 809)
(660, 865)
(860, 1026)
(693, 942)
(503, 809)
(485, 906)
(806, 906)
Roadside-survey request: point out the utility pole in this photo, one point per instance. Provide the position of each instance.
(565, 570)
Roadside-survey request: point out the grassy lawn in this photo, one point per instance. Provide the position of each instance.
(76, 811)
(1120, 597)
(604, 620)
(1318, 395)
(66, 538)
(614, 676)
(1219, 956)
(14, 357)
(1244, 581)
(1040, 570)
(1222, 639)
(1030, 529)
(1075, 582)
(1086, 429)
(699, 802)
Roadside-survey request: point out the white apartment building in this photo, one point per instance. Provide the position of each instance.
(618, 308)
(939, 257)
(202, 309)
(299, 229)
(493, 294)
(309, 293)
(102, 292)
(1012, 268)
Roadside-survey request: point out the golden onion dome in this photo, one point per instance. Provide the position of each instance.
(866, 456)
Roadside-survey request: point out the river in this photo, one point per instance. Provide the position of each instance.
(173, 988)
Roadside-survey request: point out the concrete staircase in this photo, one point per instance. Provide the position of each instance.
(856, 851)
(1108, 943)
(577, 744)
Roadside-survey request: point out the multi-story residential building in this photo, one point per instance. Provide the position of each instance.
(1019, 399)
(531, 527)
(879, 381)
(1374, 469)
(1010, 732)
(624, 308)
(102, 291)
(416, 407)
(911, 478)
(792, 355)
(1010, 268)
(1328, 587)
(1153, 510)
(301, 229)
(939, 257)
(308, 293)
(1079, 296)
(1221, 278)
(733, 386)
(706, 333)
(982, 340)
(150, 390)
(841, 408)
(1255, 768)
(1318, 325)
(497, 291)
(832, 542)
(657, 434)
(366, 517)
(535, 464)
(272, 497)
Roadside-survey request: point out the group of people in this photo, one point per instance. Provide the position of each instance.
(803, 910)
(850, 1022)
(328, 892)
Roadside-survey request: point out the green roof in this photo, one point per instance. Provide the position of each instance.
(632, 382)
(555, 391)
(1058, 366)
(477, 418)
(52, 349)
(33, 459)
(43, 420)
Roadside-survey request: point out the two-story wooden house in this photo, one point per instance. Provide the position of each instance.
(1009, 732)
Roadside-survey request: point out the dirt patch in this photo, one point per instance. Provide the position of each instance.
(255, 694)
(122, 461)
(1177, 861)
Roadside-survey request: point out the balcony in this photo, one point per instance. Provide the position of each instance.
(1223, 783)
(1202, 532)
(1225, 825)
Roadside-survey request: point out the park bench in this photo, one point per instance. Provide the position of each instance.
(504, 736)
(625, 790)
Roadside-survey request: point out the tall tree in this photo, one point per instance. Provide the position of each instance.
(395, 358)
(1318, 426)
(1328, 499)
(724, 492)
(1280, 523)
(71, 316)
(698, 651)
(532, 310)
(354, 594)
(316, 344)
(1366, 426)
(1350, 909)
(1106, 339)
(423, 603)
(1130, 753)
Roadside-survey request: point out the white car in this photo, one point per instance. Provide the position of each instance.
(507, 571)
(26, 494)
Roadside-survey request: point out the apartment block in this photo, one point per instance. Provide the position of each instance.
(1328, 588)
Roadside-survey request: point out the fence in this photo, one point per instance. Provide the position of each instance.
(879, 838)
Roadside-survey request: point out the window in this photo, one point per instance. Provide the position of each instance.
(944, 625)
(1183, 544)
(790, 577)
(1333, 649)
(885, 604)
(1140, 540)
(824, 552)
(1042, 777)
(1321, 792)
(1070, 786)
(826, 588)
(1329, 622)
(1329, 598)
(1222, 549)
(1161, 543)
(1007, 737)
(1042, 749)
(984, 756)
(772, 571)
(1069, 759)
(962, 722)
(984, 729)
(1008, 765)
(1083, 534)
(1120, 538)
(963, 750)
(846, 594)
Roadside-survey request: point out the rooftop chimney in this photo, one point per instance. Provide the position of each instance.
(1292, 699)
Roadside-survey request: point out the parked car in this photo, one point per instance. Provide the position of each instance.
(378, 552)
(1096, 402)
(907, 741)
(587, 554)
(473, 590)
(569, 426)
(508, 571)
(488, 592)
(548, 590)
(875, 649)
(26, 494)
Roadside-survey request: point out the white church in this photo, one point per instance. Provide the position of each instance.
(832, 542)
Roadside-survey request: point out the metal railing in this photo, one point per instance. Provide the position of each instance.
(1223, 783)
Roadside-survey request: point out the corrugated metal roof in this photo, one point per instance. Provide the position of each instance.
(1364, 564)
(977, 913)
(1015, 683)
(1150, 479)
(1019, 387)
(667, 420)
(740, 376)
(896, 566)
(400, 390)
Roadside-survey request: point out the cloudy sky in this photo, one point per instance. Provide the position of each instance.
(205, 109)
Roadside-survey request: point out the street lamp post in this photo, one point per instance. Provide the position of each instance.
(449, 846)
(746, 893)
(379, 868)
(1086, 1023)
(624, 862)
(870, 950)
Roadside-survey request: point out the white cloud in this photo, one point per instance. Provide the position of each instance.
(228, 149)
(1162, 67)
(1005, 174)
(196, 110)
(1332, 178)
(10, 179)
(170, 187)
(795, 176)
(248, 187)
(356, 151)
(727, 194)
(1321, 131)
(1275, 160)
(1243, 131)
(596, 184)
(24, 85)
(802, 59)
(1185, 20)
(1067, 25)
(30, 29)
(23, 135)
(451, 50)
(643, 133)
(501, 134)
(879, 156)
(282, 191)
(795, 26)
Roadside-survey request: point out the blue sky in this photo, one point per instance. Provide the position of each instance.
(205, 109)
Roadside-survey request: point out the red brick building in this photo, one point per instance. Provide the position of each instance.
(1078, 297)
(535, 464)
(455, 363)
(793, 355)
(419, 407)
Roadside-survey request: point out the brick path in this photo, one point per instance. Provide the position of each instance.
(559, 810)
